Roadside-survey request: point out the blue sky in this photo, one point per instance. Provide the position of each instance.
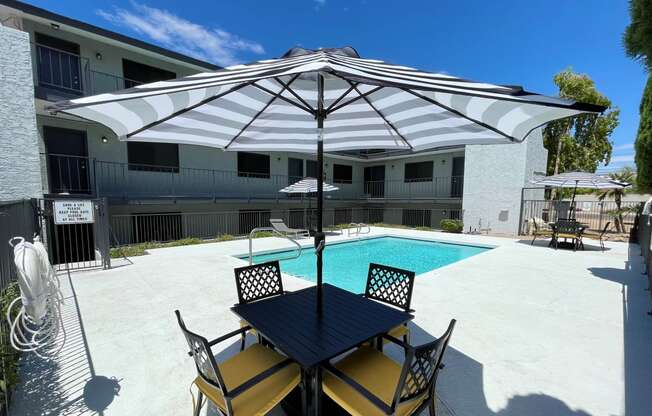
(504, 42)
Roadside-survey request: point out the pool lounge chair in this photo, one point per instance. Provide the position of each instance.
(279, 225)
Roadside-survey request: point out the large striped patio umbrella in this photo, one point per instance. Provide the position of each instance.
(325, 100)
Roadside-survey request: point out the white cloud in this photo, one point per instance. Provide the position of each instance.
(176, 33)
(626, 146)
(622, 159)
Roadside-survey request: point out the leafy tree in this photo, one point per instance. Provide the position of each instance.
(581, 142)
(638, 45)
(624, 175)
(638, 35)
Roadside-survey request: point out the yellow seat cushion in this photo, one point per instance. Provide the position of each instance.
(374, 371)
(260, 398)
(563, 235)
(398, 332)
(244, 323)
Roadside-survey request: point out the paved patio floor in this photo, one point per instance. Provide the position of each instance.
(540, 332)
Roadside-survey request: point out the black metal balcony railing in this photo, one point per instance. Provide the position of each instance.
(74, 174)
(64, 73)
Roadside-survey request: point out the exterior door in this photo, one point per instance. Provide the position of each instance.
(295, 170)
(457, 177)
(374, 181)
(67, 161)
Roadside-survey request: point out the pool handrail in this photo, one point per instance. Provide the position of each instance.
(274, 231)
(358, 228)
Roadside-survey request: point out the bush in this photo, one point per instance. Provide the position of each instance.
(225, 237)
(452, 226)
(9, 355)
(423, 228)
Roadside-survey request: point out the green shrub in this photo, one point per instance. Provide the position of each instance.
(263, 234)
(225, 237)
(452, 226)
(424, 229)
(9, 377)
(385, 225)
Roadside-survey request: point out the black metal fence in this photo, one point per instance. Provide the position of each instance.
(17, 219)
(593, 214)
(140, 228)
(645, 242)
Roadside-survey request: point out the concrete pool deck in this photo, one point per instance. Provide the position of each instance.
(540, 332)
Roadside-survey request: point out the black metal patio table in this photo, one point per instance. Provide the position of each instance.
(291, 323)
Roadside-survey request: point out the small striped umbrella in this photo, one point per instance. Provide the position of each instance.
(307, 186)
(325, 100)
(576, 180)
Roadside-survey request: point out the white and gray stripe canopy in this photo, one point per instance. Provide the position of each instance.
(272, 105)
(579, 180)
(307, 186)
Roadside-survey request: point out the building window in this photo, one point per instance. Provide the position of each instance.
(342, 173)
(153, 157)
(418, 172)
(311, 169)
(253, 165)
(59, 65)
(136, 73)
(250, 219)
(417, 217)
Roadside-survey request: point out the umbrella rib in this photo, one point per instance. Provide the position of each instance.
(186, 109)
(291, 91)
(261, 111)
(341, 97)
(270, 92)
(459, 113)
(381, 115)
(352, 100)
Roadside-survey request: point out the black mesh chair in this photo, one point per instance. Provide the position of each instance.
(251, 382)
(256, 282)
(392, 286)
(567, 229)
(367, 382)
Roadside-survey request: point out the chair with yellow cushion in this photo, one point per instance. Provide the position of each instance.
(392, 286)
(368, 383)
(251, 382)
(256, 282)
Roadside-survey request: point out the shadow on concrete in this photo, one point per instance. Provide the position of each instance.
(589, 245)
(460, 385)
(637, 330)
(63, 380)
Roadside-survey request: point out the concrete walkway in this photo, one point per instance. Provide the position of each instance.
(540, 332)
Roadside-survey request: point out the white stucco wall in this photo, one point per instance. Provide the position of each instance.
(493, 179)
(20, 176)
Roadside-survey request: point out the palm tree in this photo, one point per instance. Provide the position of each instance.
(626, 175)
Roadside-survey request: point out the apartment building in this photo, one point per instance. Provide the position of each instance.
(53, 57)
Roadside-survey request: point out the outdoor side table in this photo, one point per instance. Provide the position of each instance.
(291, 323)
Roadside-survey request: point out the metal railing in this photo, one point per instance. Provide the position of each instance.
(157, 227)
(593, 214)
(70, 74)
(644, 237)
(17, 219)
(75, 174)
(253, 232)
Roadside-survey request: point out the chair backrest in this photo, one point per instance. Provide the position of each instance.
(258, 281)
(279, 224)
(604, 230)
(567, 226)
(390, 285)
(421, 368)
(535, 225)
(201, 352)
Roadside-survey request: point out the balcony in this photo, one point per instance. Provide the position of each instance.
(78, 175)
(63, 75)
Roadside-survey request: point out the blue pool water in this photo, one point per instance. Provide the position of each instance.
(346, 264)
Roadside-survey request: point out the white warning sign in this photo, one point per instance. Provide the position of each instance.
(73, 212)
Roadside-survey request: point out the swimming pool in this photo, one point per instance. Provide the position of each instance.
(346, 264)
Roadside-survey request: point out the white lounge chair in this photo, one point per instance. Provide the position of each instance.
(279, 225)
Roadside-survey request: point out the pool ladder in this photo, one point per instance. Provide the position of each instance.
(358, 228)
(255, 230)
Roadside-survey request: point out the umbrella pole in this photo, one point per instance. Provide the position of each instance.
(320, 239)
(572, 206)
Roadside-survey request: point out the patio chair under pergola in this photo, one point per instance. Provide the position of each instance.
(326, 100)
